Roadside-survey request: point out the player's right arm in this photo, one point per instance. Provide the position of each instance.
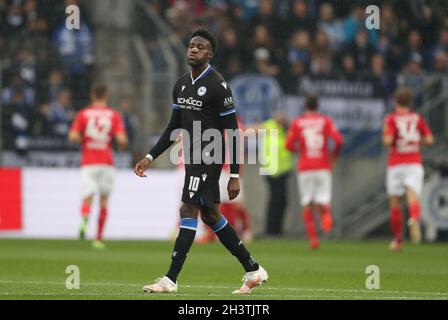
(76, 129)
(337, 138)
(388, 131)
(120, 132)
(427, 137)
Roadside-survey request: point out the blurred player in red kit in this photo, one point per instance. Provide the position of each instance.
(94, 128)
(404, 132)
(309, 134)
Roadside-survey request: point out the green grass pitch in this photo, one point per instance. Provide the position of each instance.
(35, 269)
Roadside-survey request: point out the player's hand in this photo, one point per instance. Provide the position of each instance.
(141, 167)
(233, 188)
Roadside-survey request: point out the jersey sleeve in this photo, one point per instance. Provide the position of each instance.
(389, 127)
(78, 124)
(118, 124)
(425, 131)
(334, 133)
(227, 114)
(292, 137)
(224, 100)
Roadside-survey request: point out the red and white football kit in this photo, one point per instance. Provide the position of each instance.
(312, 132)
(98, 125)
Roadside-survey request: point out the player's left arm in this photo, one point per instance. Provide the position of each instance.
(427, 136)
(291, 139)
(120, 132)
(227, 114)
(388, 131)
(337, 137)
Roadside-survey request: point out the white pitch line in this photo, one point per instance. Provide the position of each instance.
(200, 286)
(211, 295)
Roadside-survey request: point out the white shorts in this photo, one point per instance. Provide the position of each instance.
(97, 179)
(223, 182)
(315, 187)
(404, 176)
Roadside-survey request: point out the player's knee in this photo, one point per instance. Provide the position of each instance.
(188, 211)
(210, 220)
(211, 217)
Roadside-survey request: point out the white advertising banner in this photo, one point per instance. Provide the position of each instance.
(350, 114)
(139, 208)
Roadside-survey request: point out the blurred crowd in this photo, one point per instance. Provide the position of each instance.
(288, 39)
(46, 69)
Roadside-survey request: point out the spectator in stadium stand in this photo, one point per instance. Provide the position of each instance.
(299, 18)
(14, 19)
(18, 85)
(77, 56)
(266, 16)
(348, 66)
(248, 8)
(34, 19)
(17, 113)
(425, 20)
(296, 60)
(361, 50)
(383, 45)
(331, 26)
(321, 44)
(440, 64)
(231, 54)
(390, 24)
(62, 114)
(26, 65)
(321, 65)
(379, 71)
(263, 64)
(355, 22)
(415, 46)
(55, 85)
(413, 76)
(40, 121)
(442, 44)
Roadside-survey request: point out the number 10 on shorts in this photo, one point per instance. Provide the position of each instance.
(194, 184)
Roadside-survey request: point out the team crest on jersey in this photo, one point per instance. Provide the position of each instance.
(202, 91)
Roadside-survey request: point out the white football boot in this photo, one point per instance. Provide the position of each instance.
(251, 280)
(162, 285)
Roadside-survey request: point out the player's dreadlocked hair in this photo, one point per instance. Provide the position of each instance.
(206, 35)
